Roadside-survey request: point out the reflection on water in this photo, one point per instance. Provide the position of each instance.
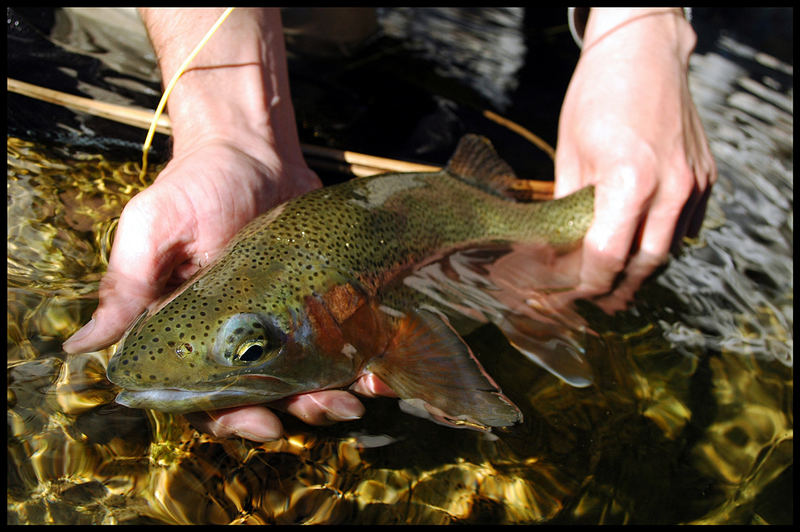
(690, 418)
(449, 37)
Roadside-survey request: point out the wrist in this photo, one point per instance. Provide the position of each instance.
(236, 89)
(232, 106)
(640, 26)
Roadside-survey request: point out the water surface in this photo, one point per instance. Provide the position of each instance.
(690, 419)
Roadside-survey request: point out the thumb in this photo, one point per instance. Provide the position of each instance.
(141, 261)
(121, 302)
(569, 171)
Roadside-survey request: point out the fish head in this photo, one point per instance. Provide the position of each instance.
(204, 350)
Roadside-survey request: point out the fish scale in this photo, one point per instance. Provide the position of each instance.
(312, 272)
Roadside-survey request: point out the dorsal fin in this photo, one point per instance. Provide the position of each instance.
(476, 162)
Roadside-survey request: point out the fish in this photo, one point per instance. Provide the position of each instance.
(342, 281)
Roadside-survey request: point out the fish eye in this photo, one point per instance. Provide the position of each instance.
(246, 339)
(251, 350)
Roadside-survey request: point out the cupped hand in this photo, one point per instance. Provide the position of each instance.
(259, 423)
(180, 223)
(629, 126)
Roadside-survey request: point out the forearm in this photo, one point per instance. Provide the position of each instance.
(236, 88)
(636, 58)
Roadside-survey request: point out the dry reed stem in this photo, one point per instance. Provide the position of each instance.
(359, 164)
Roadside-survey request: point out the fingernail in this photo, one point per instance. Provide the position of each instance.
(344, 410)
(82, 333)
(264, 436)
(253, 429)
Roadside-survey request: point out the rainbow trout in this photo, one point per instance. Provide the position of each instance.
(318, 291)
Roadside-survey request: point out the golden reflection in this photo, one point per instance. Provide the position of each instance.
(82, 383)
(666, 434)
(749, 444)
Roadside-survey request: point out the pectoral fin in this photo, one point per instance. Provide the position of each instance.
(550, 346)
(427, 361)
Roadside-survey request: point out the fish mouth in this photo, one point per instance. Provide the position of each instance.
(182, 401)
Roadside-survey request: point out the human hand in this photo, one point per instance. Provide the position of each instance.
(165, 233)
(259, 423)
(628, 125)
(236, 154)
(182, 221)
(179, 223)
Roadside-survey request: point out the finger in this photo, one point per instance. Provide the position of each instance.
(621, 199)
(567, 171)
(662, 229)
(695, 220)
(256, 423)
(638, 269)
(666, 221)
(370, 385)
(694, 205)
(122, 300)
(684, 220)
(705, 170)
(322, 408)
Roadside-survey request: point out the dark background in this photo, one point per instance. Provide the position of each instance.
(395, 107)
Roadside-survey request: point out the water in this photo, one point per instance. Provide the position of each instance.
(690, 420)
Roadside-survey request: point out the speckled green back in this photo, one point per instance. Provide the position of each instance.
(363, 232)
